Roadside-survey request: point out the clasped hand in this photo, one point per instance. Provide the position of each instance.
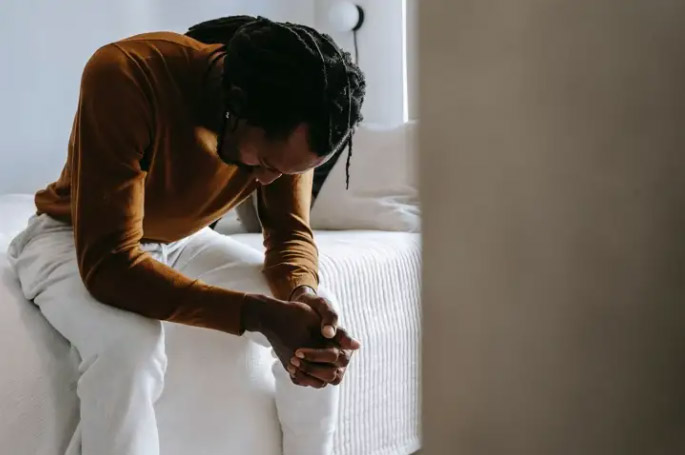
(305, 336)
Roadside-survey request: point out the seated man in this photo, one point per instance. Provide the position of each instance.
(171, 132)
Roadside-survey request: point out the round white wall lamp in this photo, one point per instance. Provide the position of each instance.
(346, 16)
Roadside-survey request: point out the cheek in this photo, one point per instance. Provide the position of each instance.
(250, 144)
(249, 153)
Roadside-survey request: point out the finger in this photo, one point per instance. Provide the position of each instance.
(329, 317)
(345, 341)
(322, 371)
(325, 355)
(302, 379)
(339, 376)
(344, 358)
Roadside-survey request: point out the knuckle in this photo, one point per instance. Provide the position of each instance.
(329, 356)
(327, 304)
(339, 377)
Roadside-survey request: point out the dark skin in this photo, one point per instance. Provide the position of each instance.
(327, 363)
(290, 325)
(303, 331)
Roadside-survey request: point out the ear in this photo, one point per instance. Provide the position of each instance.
(236, 101)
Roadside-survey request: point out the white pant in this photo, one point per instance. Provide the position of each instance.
(123, 358)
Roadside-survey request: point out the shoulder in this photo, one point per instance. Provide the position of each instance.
(111, 77)
(156, 51)
(106, 63)
(144, 46)
(168, 41)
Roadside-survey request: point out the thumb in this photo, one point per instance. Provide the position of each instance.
(329, 318)
(345, 341)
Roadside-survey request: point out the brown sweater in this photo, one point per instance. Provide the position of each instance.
(142, 165)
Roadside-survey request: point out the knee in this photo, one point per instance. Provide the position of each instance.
(137, 347)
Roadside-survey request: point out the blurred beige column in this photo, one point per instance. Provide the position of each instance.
(553, 186)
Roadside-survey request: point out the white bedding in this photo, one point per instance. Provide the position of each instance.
(38, 409)
(375, 276)
(220, 401)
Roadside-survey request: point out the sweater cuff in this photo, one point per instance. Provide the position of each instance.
(219, 309)
(282, 287)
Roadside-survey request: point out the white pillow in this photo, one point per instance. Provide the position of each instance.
(383, 185)
(15, 211)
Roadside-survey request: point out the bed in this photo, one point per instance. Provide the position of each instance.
(218, 396)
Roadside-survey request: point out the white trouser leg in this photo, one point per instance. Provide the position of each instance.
(122, 354)
(308, 416)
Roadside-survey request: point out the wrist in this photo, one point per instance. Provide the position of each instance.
(300, 291)
(252, 315)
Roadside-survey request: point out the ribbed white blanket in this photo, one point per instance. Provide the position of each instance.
(375, 276)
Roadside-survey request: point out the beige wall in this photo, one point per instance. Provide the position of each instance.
(553, 187)
(412, 56)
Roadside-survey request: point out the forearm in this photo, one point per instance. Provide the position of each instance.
(290, 265)
(291, 258)
(136, 282)
(252, 314)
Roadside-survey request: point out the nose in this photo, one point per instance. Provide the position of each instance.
(265, 176)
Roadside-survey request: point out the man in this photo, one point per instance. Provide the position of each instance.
(171, 132)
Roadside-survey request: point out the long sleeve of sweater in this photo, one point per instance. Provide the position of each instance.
(113, 128)
(291, 254)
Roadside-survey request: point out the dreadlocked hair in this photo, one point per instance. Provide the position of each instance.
(289, 74)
